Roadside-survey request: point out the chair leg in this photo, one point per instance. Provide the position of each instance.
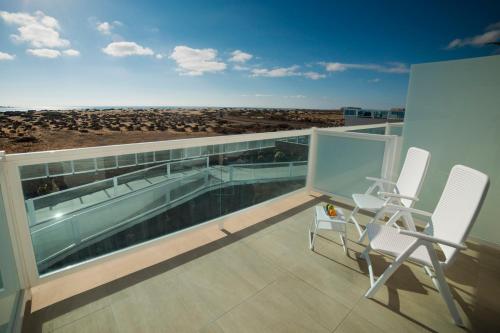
(389, 271)
(343, 239)
(313, 229)
(366, 256)
(444, 289)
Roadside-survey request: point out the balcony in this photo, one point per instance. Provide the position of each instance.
(257, 274)
(210, 234)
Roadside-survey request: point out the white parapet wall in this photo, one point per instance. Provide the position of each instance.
(453, 110)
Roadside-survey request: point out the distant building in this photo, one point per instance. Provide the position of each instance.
(397, 113)
(392, 114)
(350, 111)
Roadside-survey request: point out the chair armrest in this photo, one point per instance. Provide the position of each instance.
(397, 195)
(380, 180)
(431, 239)
(409, 210)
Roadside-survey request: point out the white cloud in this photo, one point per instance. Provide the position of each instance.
(276, 72)
(124, 49)
(491, 35)
(71, 53)
(6, 56)
(314, 75)
(159, 56)
(240, 56)
(106, 27)
(44, 53)
(393, 67)
(375, 80)
(38, 30)
(334, 66)
(196, 62)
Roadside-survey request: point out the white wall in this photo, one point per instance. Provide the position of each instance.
(453, 110)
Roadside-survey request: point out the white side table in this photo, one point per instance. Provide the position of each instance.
(324, 222)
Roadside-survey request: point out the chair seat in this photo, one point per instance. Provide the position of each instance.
(388, 241)
(367, 201)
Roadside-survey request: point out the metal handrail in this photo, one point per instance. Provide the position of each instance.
(109, 179)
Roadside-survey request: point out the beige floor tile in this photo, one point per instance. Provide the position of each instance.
(357, 324)
(162, 306)
(271, 310)
(101, 321)
(337, 281)
(385, 318)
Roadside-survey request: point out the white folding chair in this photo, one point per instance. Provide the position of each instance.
(451, 222)
(402, 193)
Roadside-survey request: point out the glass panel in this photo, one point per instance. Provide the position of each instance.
(126, 160)
(343, 164)
(177, 154)
(205, 150)
(396, 130)
(376, 130)
(163, 155)
(259, 175)
(242, 146)
(303, 140)
(253, 144)
(84, 165)
(77, 217)
(33, 171)
(193, 152)
(230, 147)
(60, 168)
(145, 158)
(106, 162)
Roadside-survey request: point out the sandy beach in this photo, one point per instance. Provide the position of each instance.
(28, 131)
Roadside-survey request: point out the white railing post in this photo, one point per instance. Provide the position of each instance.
(231, 173)
(115, 186)
(30, 206)
(18, 222)
(387, 129)
(167, 195)
(311, 159)
(168, 170)
(290, 169)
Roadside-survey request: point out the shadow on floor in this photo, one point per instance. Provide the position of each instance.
(482, 318)
(33, 321)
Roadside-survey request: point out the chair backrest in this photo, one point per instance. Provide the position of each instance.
(413, 174)
(458, 207)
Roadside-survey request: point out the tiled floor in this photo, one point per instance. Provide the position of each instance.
(265, 279)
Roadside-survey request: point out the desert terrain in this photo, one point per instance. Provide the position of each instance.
(27, 131)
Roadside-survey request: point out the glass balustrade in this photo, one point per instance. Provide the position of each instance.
(82, 209)
(343, 163)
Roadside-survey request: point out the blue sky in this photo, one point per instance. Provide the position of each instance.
(313, 54)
